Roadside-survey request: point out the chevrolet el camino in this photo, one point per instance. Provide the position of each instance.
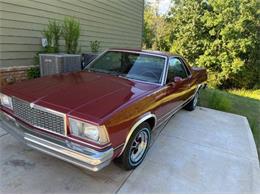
(106, 111)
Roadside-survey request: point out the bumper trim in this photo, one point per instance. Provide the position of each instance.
(63, 149)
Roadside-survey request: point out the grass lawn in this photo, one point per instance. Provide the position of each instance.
(242, 102)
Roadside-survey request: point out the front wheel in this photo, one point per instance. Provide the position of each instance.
(193, 103)
(137, 147)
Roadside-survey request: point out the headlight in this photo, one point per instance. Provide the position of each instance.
(87, 131)
(6, 101)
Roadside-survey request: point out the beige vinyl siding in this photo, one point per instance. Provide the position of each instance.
(115, 23)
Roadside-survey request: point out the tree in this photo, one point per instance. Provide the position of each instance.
(149, 33)
(156, 29)
(220, 35)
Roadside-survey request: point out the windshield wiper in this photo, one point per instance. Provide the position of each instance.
(114, 73)
(104, 71)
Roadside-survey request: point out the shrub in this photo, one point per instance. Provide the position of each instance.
(52, 34)
(219, 102)
(33, 72)
(36, 57)
(95, 45)
(216, 99)
(71, 33)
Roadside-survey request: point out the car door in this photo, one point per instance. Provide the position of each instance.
(179, 80)
(176, 90)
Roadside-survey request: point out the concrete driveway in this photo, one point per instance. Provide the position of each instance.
(204, 151)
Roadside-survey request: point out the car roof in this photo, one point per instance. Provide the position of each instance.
(155, 52)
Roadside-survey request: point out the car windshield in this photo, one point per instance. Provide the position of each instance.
(136, 66)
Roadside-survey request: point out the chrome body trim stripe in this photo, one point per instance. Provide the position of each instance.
(179, 107)
(119, 146)
(168, 115)
(165, 72)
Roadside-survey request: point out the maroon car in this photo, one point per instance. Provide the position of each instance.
(104, 112)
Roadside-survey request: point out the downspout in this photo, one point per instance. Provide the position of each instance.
(142, 28)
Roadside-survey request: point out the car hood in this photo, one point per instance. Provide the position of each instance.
(87, 95)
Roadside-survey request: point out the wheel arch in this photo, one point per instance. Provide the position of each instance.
(150, 118)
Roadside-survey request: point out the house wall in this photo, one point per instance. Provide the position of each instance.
(115, 23)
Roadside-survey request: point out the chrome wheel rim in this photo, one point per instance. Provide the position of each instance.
(195, 101)
(139, 146)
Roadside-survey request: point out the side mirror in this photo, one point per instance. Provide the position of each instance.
(177, 79)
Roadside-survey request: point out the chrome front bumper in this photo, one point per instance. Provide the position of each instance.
(63, 149)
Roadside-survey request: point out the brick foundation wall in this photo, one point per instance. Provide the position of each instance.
(11, 75)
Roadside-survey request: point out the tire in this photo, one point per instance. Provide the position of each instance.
(134, 153)
(193, 103)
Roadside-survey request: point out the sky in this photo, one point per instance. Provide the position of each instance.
(164, 5)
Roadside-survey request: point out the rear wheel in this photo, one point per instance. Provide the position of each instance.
(137, 147)
(193, 103)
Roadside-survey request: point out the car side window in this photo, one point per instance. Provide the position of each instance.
(176, 69)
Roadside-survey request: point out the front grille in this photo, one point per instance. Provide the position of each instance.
(37, 117)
